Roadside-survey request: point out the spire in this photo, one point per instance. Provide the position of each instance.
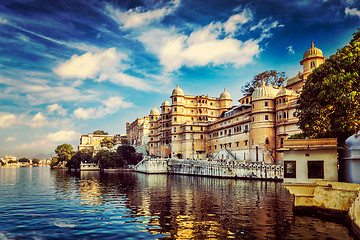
(263, 82)
(312, 44)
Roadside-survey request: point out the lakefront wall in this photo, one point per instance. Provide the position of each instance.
(211, 168)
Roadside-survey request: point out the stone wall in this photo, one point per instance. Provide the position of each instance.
(211, 168)
(152, 165)
(335, 198)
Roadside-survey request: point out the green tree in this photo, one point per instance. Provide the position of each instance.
(24, 160)
(128, 154)
(54, 161)
(271, 77)
(84, 155)
(107, 159)
(329, 105)
(100, 132)
(107, 142)
(64, 152)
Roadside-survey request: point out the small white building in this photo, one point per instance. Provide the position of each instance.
(89, 167)
(309, 160)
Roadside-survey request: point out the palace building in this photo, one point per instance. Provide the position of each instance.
(203, 127)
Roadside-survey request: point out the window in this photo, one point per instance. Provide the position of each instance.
(312, 64)
(246, 127)
(174, 129)
(229, 145)
(246, 142)
(253, 119)
(174, 119)
(201, 137)
(247, 101)
(315, 169)
(237, 144)
(284, 114)
(192, 102)
(225, 132)
(290, 169)
(229, 131)
(201, 128)
(267, 141)
(266, 117)
(175, 100)
(152, 131)
(252, 142)
(266, 104)
(209, 148)
(191, 128)
(253, 105)
(174, 109)
(215, 147)
(152, 139)
(151, 145)
(279, 115)
(281, 142)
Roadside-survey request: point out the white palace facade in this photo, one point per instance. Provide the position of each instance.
(203, 127)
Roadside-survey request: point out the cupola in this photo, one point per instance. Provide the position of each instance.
(154, 111)
(264, 92)
(177, 91)
(225, 95)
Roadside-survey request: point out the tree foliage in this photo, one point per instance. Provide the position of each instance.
(129, 154)
(100, 132)
(329, 105)
(64, 152)
(84, 155)
(107, 142)
(35, 161)
(271, 77)
(108, 159)
(24, 160)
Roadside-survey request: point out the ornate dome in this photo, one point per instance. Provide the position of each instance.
(353, 142)
(312, 52)
(177, 91)
(225, 95)
(166, 103)
(285, 92)
(154, 111)
(264, 92)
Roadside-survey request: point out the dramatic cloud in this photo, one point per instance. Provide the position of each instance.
(233, 22)
(102, 66)
(10, 139)
(38, 120)
(7, 119)
(90, 65)
(176, 50)
(63, 136)
(352, 11)
(290, 49)
(110, 106)
(56, 108)
(138, 16)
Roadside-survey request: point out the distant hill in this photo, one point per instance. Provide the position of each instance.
(43, 155)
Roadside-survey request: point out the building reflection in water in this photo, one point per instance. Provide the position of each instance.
(187, 207)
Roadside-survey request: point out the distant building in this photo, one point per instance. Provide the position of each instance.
(92, 142)
(199, 127)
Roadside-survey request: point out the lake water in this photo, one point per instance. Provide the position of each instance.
(39, 203)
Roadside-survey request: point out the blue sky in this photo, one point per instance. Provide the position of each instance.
(71, 67)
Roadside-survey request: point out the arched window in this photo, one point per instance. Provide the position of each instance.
(267, 141)
(312, 64)
(175, 99)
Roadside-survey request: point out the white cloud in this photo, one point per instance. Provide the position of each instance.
(102, 66)
(7, 119)
(56, 108)
(111, 105)
(231, 25)
(138, 16)
(10, 139)
(89, 65)
(352, 11)
(38, 120)
(290, 49)
(202, 47)
(63, 136)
